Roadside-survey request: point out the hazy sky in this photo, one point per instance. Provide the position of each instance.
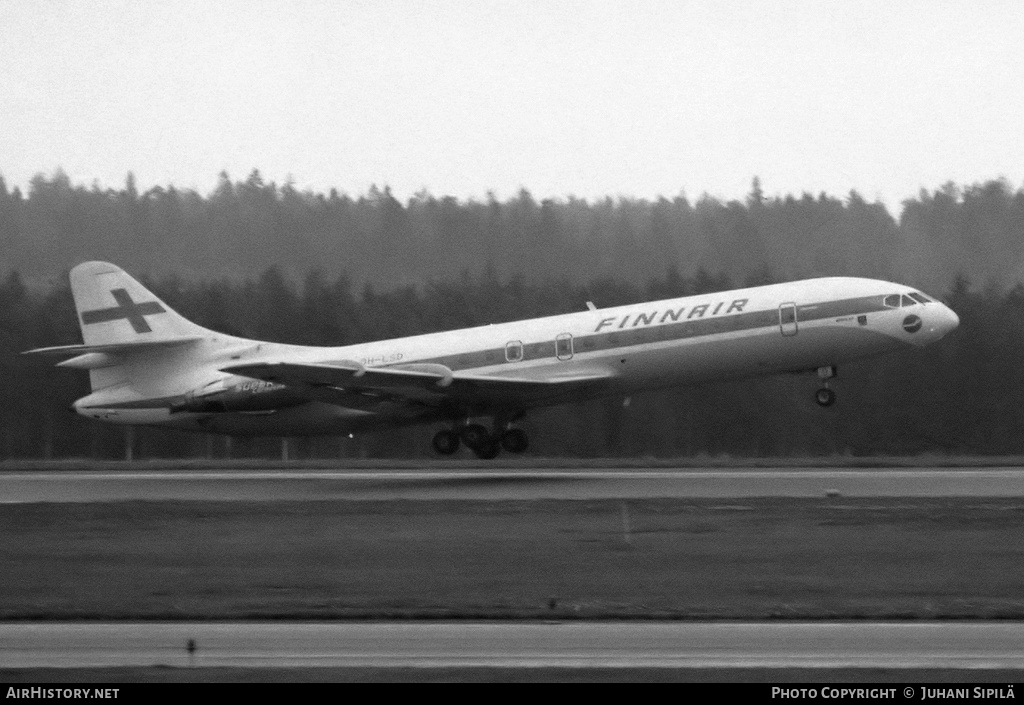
(591, 98)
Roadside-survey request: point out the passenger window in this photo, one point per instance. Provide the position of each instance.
(907, 301)
(892, 301)
(563, 346)
(514, 351)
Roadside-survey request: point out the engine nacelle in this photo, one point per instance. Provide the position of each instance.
(237, 394)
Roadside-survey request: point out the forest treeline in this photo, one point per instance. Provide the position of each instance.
(267, 261)
(243, 227)
(962, 395)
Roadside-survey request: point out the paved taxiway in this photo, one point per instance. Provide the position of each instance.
(271, 485)
(985, 645)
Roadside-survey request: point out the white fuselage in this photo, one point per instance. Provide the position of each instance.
(795, 326)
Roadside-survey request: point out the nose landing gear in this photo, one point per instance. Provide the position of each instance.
(825, 396)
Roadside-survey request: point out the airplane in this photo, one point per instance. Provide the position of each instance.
(149, 365)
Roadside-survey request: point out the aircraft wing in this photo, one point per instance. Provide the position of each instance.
(422, 384)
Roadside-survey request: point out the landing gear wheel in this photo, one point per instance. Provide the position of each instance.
(825, 397)
(475, 436)
(514, 440)
(446, 442)
(488, 450)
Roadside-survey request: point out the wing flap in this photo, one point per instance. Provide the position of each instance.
(434, 385)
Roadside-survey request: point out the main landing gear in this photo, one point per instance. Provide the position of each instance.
(446, 442)
(484, 444)
(825, 396)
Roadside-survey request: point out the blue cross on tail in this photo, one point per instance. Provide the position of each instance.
(126, 308)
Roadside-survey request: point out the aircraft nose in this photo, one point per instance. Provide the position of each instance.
(946, 320)
(954, 320)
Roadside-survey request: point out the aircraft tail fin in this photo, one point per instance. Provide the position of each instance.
(128, 332)
(114, 308)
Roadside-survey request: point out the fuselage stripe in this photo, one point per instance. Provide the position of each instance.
(649, 331)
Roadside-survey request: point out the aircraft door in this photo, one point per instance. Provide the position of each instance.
(787, 319)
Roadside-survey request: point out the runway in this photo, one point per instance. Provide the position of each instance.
(982, 645)
(503, 484)
(987, 645)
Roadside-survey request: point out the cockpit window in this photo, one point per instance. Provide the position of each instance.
(912, 299)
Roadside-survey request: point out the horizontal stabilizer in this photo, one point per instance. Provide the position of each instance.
(112, 348)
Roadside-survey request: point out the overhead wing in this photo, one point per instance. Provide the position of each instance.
(352, 384)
